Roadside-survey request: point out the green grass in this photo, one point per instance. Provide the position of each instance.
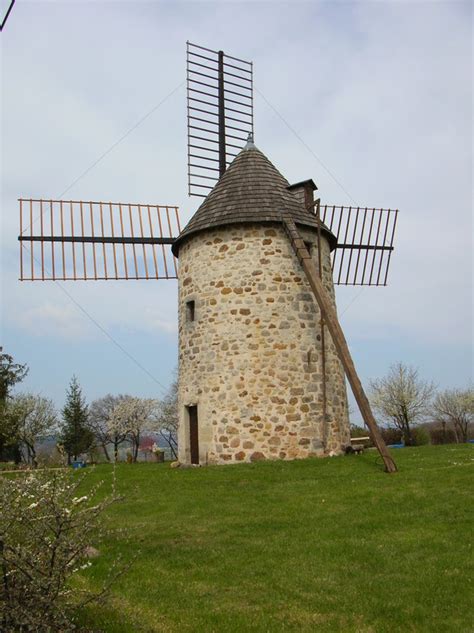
(313, 545)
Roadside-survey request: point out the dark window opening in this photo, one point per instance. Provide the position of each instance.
(309, 246)
(190, 310)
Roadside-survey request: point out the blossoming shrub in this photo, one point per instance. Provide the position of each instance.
(47, 526)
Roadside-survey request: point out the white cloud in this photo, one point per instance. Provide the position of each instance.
(128, 307)
(54, 321)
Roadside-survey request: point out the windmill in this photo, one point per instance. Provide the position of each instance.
(103, 240)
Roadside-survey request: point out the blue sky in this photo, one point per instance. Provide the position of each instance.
(380, 91)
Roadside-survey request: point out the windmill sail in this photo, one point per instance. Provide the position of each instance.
(83, 240)
(219, 113)
(364, 243)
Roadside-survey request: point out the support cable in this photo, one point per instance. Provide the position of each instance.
(114, 145)
(104, 331)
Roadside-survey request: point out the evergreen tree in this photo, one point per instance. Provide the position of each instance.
(76, 437)
(11, 373)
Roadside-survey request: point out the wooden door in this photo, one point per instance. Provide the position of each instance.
(193, 434)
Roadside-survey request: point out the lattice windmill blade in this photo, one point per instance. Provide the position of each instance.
(85, 240)
(365, 238)
(219, 113)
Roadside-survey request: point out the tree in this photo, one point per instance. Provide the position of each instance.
(401, 398)
(455, 406)
(76, 436)
(167, 418)
(32, 417)
(11, 373)
(100, 423)
(133, 416)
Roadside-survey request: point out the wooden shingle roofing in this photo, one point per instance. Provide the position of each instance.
(251, 190)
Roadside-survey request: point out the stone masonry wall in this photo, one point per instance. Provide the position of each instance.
(251, 359)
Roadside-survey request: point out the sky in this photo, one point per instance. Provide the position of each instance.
(373, 100)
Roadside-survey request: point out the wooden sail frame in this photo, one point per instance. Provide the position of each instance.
(82, 240)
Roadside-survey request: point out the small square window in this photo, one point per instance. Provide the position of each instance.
(190, 311)
(309, 246)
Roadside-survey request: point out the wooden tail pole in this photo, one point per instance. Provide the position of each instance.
(329, 315)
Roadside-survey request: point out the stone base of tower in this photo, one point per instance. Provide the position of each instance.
(250, 451)
(251, 378)
(259, 438)
(287, 432)
(253, 452)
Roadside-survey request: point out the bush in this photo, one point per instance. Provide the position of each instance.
(47, 528)
(391, 436)
(438, 436)
(420, 436)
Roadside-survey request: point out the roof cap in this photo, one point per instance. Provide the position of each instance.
(252, 190)
(250, 144)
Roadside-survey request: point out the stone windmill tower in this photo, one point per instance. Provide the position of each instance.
(250, 350)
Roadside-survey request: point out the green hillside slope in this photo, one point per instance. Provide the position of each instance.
(314, 545)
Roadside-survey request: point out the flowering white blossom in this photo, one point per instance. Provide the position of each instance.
(31, 418)
(44, 524)
(133, 416)
(166, 419)
(455, 406)
(77, 500)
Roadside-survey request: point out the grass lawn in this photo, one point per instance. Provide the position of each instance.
(314, 545)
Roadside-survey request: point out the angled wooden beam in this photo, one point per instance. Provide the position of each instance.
(329, 315)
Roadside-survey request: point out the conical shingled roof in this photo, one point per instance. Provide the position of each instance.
(251, 190)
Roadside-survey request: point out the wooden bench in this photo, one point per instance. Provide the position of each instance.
(360, 439)
(355, 446)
